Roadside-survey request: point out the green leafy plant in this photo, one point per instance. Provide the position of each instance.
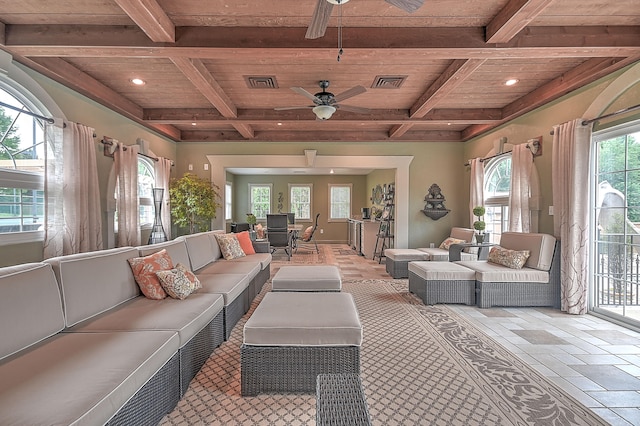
(479, 225)
(251, 219)
(194, 202)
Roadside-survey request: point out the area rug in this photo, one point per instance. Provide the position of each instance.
(419, 365)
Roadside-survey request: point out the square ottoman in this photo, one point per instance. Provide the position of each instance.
(397, 260)
(307, 278)
(291, 338)
(442, 282)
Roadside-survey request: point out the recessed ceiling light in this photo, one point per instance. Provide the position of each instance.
(331, 171)
(138, 81)
(279, 124)
(511, 82)
(194, 123)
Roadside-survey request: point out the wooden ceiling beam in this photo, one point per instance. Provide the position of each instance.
(329, 136)
(583, 74)
(513, 18)
(238, 43)
(151, 18)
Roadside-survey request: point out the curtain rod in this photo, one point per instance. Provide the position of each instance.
(534, 147)
(124, 148)
(613, 114)
(33, 114)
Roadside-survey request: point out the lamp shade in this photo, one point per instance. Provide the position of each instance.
(324, 112)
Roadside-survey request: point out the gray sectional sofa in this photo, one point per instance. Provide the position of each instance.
(81, 345)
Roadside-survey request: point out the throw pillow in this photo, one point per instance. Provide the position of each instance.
(229, 246)
(307, 233)
(259, 231)
(447, 243)
(195, 282)
(514, 259)
(245, 242)
(175, 283)
(144, 271)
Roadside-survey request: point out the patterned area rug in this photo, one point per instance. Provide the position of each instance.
(419, 365)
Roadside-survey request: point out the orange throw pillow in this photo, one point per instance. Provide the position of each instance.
(144, 271)
(245, 242)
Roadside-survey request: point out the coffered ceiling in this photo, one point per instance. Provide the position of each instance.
(217, 70)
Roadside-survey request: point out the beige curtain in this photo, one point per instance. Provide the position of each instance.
(163, 172)
(127, 203)
(520, 191)
(73, 215)
(570, 174)
(476, 190)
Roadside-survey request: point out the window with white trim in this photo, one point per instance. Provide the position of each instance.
(21, 167)
(260, 200)
(146, 182)
(497, 186)
(300, 196)
(228, 201)
(339, 202)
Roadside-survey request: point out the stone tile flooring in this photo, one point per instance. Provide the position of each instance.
(594, 360)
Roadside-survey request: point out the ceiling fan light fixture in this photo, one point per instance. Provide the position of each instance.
(337, 1)
(324, 112)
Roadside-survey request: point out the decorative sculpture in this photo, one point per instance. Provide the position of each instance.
(434, 208)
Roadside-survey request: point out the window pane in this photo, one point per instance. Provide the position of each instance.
(300, 196)
(498, 179)
(260, 202)
(340, 202)
(228, 203)
(21, 210)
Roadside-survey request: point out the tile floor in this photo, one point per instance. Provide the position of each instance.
(596, 361)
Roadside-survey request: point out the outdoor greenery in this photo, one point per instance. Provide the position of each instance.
(10, 142)
(194, 202)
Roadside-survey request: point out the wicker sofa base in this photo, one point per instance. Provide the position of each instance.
(154, 400)
(397, 268)
(234, 311)
(286, 369)
(443, 291)
(490, 294)
(195, 353)
(340, 401)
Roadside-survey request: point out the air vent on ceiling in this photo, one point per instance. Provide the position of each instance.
(388, 81)
(261, 82)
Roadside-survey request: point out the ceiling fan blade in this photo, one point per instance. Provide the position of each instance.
(356, 90)
(319, 20)
(303, 92)
(352, 108)
(408, 6)
(293, 107)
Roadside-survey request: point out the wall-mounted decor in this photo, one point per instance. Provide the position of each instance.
(434, 207)
(377, 195)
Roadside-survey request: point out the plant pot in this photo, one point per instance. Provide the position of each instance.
(479, 238)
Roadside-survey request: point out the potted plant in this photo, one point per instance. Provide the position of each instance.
(194, 202)
(479, 225)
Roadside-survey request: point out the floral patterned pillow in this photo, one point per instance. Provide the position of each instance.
(144, 271)
(175, 283)
(513, 259)
(229, 246)
(195, 282)
(447, 243)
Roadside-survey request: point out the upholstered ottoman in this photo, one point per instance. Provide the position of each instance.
(307, 278)
(397, 260)
(442, 282)
(340, 400)
(291, 338)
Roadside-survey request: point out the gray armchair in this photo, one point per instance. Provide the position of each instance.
(278, 234)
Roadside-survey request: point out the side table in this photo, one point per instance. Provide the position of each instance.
(261, 245)
(456, 249)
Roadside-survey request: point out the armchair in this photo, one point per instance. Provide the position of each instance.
(277, 233)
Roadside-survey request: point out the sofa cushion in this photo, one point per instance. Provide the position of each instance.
(465, 234)
(230, 286)
(514, 259)
(175, 283)
(494, 273)
(30, 306)
(230, 246)
(56, 382)
(111, 282)
(200, 249)
(263, 259)
(540, 246)
(177, 250)
(245, 243)
(440, 255)
(186, 317)
(235, 266)
(144, 271)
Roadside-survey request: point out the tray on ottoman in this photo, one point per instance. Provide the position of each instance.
(291, 338)
(307, 278)
(442, 282)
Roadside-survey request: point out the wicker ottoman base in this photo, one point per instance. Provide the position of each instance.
(285, 369)
(340, 401)
(442, 282)
(397, 261)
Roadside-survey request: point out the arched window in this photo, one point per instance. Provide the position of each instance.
(497, 183)
(21, 166)
(146, 183)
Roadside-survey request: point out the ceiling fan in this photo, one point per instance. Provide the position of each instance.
(322, 13)
(326, 103)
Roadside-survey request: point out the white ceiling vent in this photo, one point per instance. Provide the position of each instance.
(388, 81)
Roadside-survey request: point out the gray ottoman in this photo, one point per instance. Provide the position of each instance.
(397, 260)
(291, 338)
(442, 282)
(307, 278)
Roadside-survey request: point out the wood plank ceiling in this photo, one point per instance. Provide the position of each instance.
(215, 70)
